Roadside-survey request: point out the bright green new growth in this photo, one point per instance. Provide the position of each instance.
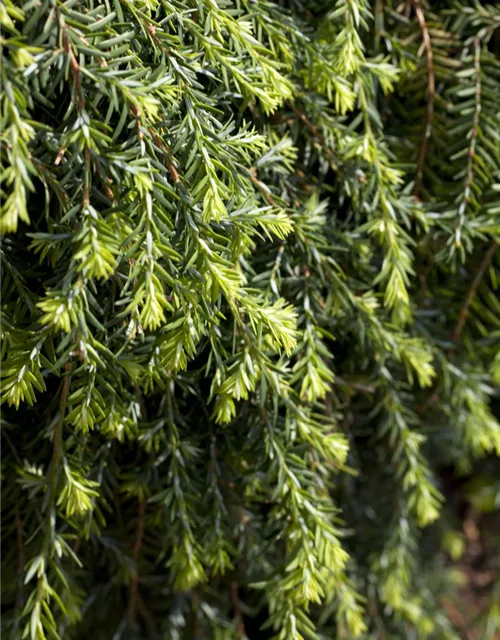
(249, 313)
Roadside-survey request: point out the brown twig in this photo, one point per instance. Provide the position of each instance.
(137, 113)
(464, 311)
(237, 611)
(316, 134)
(256, 182)
(134, 582)
(167, 154)
(431, 89)
(75, 69)
(456, 616)
(105, 181)
(60, 156)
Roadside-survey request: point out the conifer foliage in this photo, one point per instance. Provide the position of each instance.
(250, 314)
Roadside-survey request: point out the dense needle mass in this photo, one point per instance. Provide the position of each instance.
(250, 316)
